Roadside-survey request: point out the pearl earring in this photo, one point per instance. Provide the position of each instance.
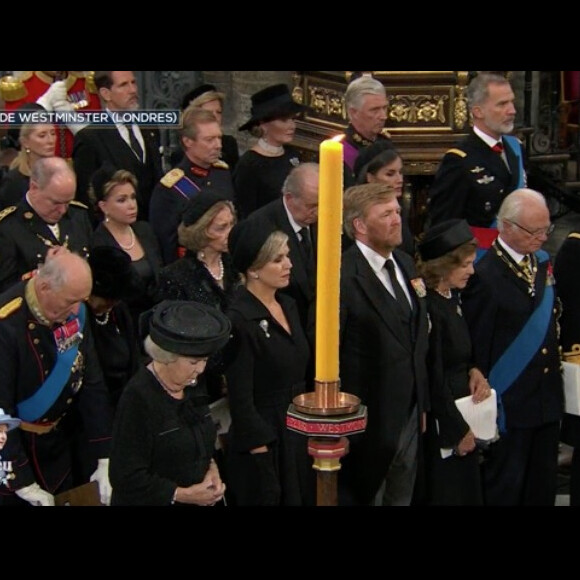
(27, 150)
(107, 219)
(256, 276)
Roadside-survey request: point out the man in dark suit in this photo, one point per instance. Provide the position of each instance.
(47, 217)
(383, 349)
(296, 214)
(474, 178)
(512, 310)
(127, 147)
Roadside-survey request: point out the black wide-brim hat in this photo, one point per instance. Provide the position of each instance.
(186, 328)
(274, 102)
(444, 238)
(201, 203)
(114, 276)
(13, 134)
(246, 240)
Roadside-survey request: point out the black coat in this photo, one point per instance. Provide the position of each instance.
(497, 305)
(455, 480)
(381, 363)
(472, 182)
(27, 356)
(159, 443)
(94, 146)
(266, 369)
(25, 239)
(302, 285)
(258, 179)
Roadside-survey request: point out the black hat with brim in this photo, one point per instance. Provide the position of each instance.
(246, 240)
(189, 97)
(201, 203)
(444, 238)
(368, 154)
(187, 328)
(273, 102)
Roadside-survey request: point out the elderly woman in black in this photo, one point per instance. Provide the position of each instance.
(205, 273)
(447, 255)
(267, 463)
(163, 437)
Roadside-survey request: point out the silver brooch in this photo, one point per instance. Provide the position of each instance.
(265, 327)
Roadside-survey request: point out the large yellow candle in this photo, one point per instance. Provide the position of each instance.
(328, 263)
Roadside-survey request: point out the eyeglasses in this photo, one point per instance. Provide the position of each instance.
(536, 233)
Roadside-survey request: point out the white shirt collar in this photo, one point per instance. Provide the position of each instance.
(295, 226)
(515, 256)
(376, 261)
(485, 137)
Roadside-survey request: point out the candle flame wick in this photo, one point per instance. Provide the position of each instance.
(339, 138)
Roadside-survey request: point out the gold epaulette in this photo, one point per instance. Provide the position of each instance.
(171, 178)
(220, 165)
(574, 236)
(90, 82)
(79, 204)
(12, 89)
(6, 212)
(10, 308)
(385, 133)
(458, 152)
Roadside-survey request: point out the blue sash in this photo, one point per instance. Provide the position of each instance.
(186, 187)
(516, 147)
(47, 394)
(523, 349)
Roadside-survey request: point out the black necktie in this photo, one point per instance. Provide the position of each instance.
(402, 299)
(135, 145)
(306, 245)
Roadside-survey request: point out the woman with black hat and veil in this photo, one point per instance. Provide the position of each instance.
(164, 437)
(447, 254)
(261, 171)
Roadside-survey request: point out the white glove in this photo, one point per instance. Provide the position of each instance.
(35, 496)
(56, 93)
(101, 476)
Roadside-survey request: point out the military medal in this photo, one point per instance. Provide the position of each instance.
(68, 335)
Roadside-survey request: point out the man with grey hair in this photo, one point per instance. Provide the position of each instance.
(47, 217)
(512, 310)
(366, 106)
(50, 379)
(475, 177)
(296, 214)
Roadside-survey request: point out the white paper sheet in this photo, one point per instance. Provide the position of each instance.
(481, 418)
(572, 387)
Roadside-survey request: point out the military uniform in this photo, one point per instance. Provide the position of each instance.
(353, 143)
(29, 86)
(170, 197)
(472, 182)
(25, 239)
(42, 451)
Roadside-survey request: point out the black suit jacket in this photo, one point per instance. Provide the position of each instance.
(382, 363)
(472, 182)
(497, 305)
(302, 286)
(93, 146)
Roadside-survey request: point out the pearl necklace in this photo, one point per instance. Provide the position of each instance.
(447, 294)
(220, 276)
(276, 150)
(131, 243)
(104, 321)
